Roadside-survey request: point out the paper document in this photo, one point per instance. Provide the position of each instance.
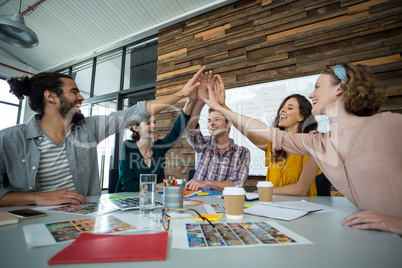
(283, 210)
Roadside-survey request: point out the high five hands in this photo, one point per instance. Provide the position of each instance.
(211, 87)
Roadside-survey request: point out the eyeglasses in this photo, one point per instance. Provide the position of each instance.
(166, 218)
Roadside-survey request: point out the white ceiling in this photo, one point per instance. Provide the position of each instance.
(73, 30)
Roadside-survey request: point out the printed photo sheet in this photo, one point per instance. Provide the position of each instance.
(243, 234)
(44, 234)
(88, 209)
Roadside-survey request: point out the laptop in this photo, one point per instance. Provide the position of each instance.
(128, 203)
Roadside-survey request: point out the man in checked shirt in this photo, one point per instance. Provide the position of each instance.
(220, 162)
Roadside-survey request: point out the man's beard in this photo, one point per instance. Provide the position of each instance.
(67, 111)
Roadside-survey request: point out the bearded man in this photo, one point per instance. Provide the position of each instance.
(52, 159)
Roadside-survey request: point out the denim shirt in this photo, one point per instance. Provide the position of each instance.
(20, 150)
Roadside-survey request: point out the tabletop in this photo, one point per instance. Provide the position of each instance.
(334, 245)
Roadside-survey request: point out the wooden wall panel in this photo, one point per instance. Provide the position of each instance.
(256, 41)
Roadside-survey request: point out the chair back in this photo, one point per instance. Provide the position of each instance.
(113, 179)
(323, 185)
(191, 173)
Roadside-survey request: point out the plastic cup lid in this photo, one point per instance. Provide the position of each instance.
(264, 184)
(233, 191)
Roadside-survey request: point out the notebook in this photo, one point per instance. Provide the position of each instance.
(113, 248)
(188, 193)
(6, 218)
(287, 211)
(130, 203)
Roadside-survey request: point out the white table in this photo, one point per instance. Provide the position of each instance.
(334, 245)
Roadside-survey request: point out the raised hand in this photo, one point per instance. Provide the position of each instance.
(206, 82)
(219, 89)
(211, 101)
(193, 83)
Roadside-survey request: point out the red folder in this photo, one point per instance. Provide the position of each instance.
(113, 248)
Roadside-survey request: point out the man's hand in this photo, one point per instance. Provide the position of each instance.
(211, 101)
(206, 82)
(59, 197)
(365, 220)
(195, 185)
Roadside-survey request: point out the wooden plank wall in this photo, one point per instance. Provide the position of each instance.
(256, 41)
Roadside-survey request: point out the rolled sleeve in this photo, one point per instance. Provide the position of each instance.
(197, 140)
(240, 173)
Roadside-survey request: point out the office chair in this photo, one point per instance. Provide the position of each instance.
(323, 185)
(113, 179)
(191, 173)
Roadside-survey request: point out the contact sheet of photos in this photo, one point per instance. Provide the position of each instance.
(70, 230)
(45, 234)
(243, 234)
(89, 209)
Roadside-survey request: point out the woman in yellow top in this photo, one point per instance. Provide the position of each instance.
(290, 174)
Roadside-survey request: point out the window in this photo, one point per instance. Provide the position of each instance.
(107, 77)
(9, 105)
(105, 147)
(82, 74)
(141, 64)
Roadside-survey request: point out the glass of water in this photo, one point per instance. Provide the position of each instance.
(147, 192)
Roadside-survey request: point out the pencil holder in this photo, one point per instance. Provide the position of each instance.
(173, 197)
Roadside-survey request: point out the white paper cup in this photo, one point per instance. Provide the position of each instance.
(234, 202)
(265, 190)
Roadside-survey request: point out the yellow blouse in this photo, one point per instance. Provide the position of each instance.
(287, 171)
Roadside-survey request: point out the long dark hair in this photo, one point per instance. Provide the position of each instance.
(135, 136)
(35, 87)
(308, 124)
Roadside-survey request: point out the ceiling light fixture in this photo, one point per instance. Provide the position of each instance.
(14, 32)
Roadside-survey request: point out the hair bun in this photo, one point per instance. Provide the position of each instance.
(19, 86)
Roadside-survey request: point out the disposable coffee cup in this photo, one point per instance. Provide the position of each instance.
(173, 197)
(234, 202)
(265, 190)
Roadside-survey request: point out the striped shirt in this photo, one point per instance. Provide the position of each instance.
(210, 165)
(54, 171)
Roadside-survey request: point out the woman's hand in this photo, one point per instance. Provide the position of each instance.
(219, 89)
(366, 220)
